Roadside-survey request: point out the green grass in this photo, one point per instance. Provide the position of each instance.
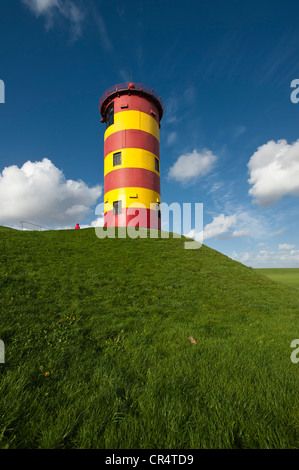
(290, 276)
(110, 321)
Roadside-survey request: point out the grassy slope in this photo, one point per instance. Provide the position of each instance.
(110, 321)
(290, 276)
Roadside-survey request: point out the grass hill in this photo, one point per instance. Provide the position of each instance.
(98, 353)
(288, 276)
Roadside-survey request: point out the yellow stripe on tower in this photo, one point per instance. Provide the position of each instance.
(135, 197)
(134, 120)
(131, 158)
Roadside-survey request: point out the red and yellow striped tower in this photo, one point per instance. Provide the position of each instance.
(132, 113)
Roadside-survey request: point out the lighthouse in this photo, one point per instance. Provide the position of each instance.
(132, 196)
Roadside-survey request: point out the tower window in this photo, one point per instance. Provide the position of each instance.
(117, 207)
(159, 210)
(117, 159)
(110, 115)
(157, 165)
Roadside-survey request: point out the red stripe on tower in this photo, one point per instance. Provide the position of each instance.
(131, 138)
(132, 177)
(147, 218)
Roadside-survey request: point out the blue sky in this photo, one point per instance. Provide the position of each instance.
(228, 136)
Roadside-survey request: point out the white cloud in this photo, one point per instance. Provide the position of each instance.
(219, 226)
(101, 25)
(192, 165)
(171, 138)
(99, 222)
(268, 259)
(198, 236)
(240, 224)
(40, 7)
(189, 94)
(216, 187)
(279, 232)
(274, 172)
(235, 234)
(39, 192)
(256, 225)
(171, 110)
(286, 246)
(238, 131)
(125, 75)
(50, 8)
